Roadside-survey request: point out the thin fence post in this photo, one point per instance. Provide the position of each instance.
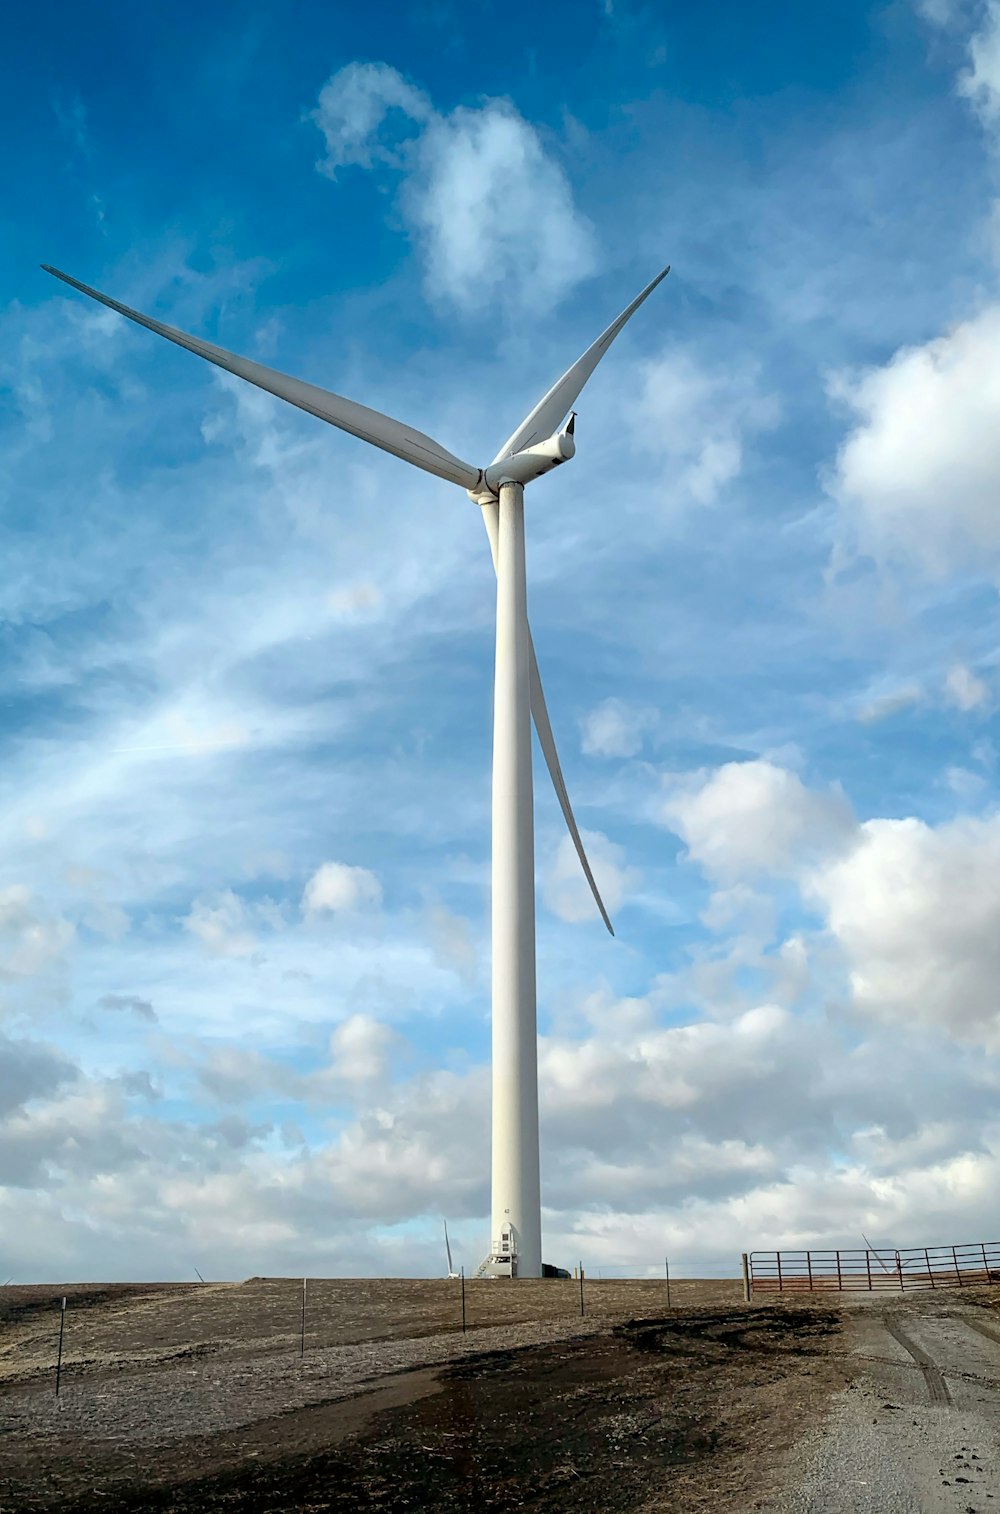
(62, 1326)
(840, 1280)
(781, 1286)
(463, 1300)
(666, 1268)
(302, 1340)
(986, 1265)
(581, 1288)
(958, 1270)
(899, 1271)
(745, 1264)
(868, 1264)
(930, 1275)
(809, 1269)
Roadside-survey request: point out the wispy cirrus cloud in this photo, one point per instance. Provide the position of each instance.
(980, 82)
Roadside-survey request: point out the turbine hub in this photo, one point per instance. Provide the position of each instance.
(482, 494)
(524, 466)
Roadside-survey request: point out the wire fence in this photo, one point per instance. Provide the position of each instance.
(59, 1331)
(67, 1329)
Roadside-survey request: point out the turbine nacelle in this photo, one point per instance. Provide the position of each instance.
(525, 466)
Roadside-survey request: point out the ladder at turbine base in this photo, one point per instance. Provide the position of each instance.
(503, 1255)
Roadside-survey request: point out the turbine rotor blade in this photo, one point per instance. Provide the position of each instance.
(543, 728)
(369, 425)
(544, 420)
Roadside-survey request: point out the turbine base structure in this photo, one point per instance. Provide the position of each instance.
(502, 1259)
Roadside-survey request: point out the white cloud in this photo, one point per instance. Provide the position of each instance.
(700, 419)
(32, 938)
(964, 690)
(963, 782)
(492, 209)
(359, 103)
(673, 1067)
(740, 906)
(338, 886)
(453, 943)
(912, 910)
(746, 1109)
(916, 912)
(892, 702)
(919, 475)
(488, 167)
(938, 12)
(191, 723)
(221, 924)
(981, 82)
(748, 818)
(616, 729)
(360, 1048)
(566, 890)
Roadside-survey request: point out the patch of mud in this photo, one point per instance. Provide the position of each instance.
(799, 1331)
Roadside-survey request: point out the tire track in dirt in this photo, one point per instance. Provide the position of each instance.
(936, 1385)
(988, 1331)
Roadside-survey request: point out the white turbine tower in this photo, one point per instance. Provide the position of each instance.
(540, 443)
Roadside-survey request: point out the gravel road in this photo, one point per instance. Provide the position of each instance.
(918, 1431)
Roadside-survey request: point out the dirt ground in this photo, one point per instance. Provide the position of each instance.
(131, 1323)
(198, 1399)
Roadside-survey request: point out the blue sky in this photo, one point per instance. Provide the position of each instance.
(246, 662)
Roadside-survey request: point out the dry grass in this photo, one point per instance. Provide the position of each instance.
(121, 1325)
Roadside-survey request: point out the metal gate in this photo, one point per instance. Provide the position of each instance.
(974, 1264)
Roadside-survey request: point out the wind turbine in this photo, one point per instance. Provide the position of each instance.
(447, 1246)
(543, 440)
